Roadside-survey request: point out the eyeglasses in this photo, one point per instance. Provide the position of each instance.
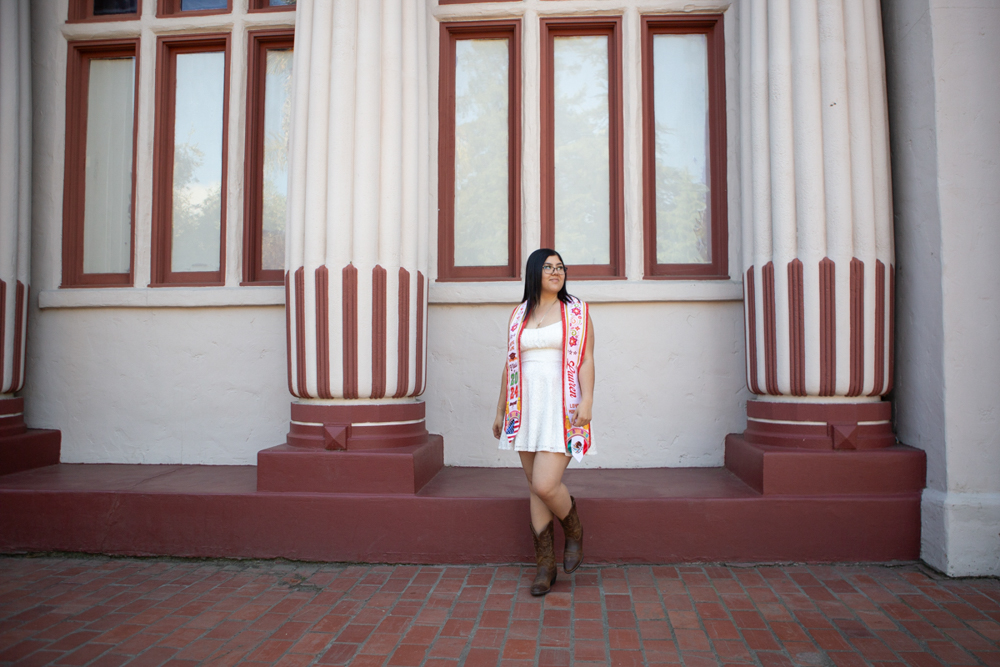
(548, 268)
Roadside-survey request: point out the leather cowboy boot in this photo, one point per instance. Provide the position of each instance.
(545, 558)
(573, 530)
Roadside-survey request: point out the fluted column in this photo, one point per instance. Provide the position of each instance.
(817, 218)
(15, 205)
(357, 217)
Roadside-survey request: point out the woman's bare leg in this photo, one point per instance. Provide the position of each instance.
(549, 496)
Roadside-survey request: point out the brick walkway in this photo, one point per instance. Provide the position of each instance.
(104, 611)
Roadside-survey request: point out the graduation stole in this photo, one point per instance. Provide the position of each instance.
(574, 326)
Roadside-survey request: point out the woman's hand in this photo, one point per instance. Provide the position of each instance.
(583, 413)
(498, 425)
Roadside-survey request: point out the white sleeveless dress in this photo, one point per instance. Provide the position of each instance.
(541, 386)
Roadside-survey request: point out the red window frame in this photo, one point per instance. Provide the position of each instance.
(611, 26)
(75, 179)
(263, 6)
(166, 8)
(261, 42)
(81, 11)
(450, 34)
(712, 26)
(167, 49)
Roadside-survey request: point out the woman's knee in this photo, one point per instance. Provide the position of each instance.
(546, 489)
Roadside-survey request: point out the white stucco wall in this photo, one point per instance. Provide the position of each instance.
(944, 64)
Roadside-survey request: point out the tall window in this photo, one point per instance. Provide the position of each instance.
(99, 185)
(266, 185)
(684, 154)
(582, 184)
(479, 151)
(104, 10)
(189, 190)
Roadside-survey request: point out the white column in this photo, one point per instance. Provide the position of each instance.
(356, 251)
(15, 190)
(817, 192)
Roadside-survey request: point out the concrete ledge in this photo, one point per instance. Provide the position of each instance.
(162, 297)
(960, 532)
(592, 291)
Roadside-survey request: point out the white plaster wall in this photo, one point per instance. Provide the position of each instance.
(168, 385)
(670, 382)
(945, 64)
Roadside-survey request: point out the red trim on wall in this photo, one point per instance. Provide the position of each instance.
(20, 329)
(323, 333)
(611, 27)
(300, 331)
(167, 49)
(827, 327)
(289, 305)
(892, 328)
(379, 279)
(879, 329)
(710, 25)
(350, 330)
(75, 173)
(418, 387)
(751, 319)
(796, 328)
(857, 327)
(403, 344)
(450, 34)
(261, 42)
(770, 331)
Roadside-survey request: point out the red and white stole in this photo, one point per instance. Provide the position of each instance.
(574, 326)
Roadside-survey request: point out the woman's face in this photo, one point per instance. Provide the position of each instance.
(553, 275)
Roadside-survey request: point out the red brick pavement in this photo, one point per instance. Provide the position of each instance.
(116, 611)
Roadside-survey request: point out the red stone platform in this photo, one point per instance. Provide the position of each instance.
(769, 504)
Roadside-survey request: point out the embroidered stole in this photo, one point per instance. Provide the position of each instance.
(574, 325)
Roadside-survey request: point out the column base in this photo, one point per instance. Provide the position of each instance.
(820, 425)
(22, 448)
(357, 426)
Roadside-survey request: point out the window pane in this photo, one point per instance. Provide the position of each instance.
(280, 3)
(107, 209)
(680, 97)
(104, 7)
(277, 116)
(582, 169)
(197, 195)
(192, 5)
(481, 147)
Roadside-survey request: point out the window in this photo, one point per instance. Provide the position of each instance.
(479, 157)
(271, 5)
(684, 147)
(104, 10)
(196, 7)
(266, 182)
(582, 209)
(189, 179)
(99, 184)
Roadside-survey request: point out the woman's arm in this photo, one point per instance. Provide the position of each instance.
(585, 409)
(501, 405)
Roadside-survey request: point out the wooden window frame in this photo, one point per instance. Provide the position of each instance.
(610, 26)
(710, 25)
(82, 11)
(260, 42)
(167, 48)
(451, 33)
(262, 6)
(75, 179)
(168, 8)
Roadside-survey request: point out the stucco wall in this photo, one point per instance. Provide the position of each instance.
(943, 63)
(670, 382)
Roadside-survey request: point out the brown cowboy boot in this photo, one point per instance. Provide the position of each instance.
(545, 557)
(573, 530)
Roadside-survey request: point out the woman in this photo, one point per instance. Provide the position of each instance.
(546, 397)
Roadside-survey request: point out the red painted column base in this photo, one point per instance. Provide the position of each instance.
(22, 448)
(820, 425)
(367, 448)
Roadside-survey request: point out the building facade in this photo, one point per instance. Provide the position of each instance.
(781, 212)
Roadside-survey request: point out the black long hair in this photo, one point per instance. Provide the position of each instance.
(533, 279)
